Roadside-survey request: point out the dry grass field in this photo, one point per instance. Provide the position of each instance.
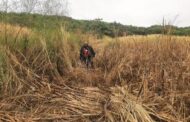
(136, 78)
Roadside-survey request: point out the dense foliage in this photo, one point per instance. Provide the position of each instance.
(96, 27)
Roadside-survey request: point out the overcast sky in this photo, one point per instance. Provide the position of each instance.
(133, 12)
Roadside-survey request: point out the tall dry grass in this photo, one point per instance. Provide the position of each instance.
(155, 68)
(136, 79)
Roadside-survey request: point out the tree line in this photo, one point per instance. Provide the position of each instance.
(95, 27)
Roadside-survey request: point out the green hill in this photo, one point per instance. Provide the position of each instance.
(97, 26)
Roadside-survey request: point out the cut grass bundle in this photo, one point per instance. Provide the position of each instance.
(66, 104)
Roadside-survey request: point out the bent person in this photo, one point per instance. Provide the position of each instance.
(87, 54)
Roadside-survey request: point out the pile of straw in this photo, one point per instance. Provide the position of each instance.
(62, 103)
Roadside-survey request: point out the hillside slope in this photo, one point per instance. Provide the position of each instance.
(95, 27)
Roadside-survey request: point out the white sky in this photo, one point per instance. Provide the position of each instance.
(133, 12)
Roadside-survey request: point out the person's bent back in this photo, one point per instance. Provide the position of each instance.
(86, 54)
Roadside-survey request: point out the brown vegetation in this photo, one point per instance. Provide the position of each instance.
(136, 79)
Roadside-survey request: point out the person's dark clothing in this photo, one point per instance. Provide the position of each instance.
(89, 48)
(91, 54)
